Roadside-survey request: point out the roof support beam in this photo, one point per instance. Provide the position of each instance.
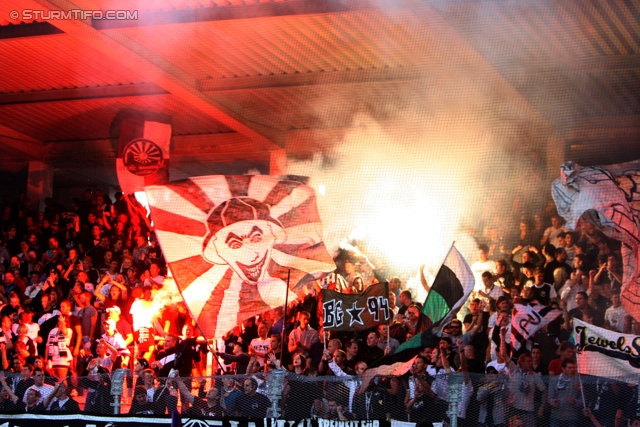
(23, 147)
(306, 79)
(380, 75)
(81, 93)
(603, 64)
(604, 128)
(219, 147)
(28, 30)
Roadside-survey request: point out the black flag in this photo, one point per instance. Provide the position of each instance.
(343, 312)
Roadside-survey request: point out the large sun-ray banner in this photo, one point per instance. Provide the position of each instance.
(232, 241)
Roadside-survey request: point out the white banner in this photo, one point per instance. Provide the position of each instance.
(609, 198)
(527, 319)
(607, 353)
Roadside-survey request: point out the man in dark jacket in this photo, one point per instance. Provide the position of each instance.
(59, 400)
(252, 404)
(140, 404)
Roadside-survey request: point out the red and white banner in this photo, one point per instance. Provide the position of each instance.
(606, 353)
(143, 154)
(609, 198)
(231, 242)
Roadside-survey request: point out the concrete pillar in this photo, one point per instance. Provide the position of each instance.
(556, 152)
(278, 162)
(39, 183)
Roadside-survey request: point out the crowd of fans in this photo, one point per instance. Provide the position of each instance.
(77, 296)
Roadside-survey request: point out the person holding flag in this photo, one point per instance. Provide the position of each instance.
(354, 385)
(450, 289)
(386, 343)
(417, 321)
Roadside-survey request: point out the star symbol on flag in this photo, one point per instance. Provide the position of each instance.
(355, 313)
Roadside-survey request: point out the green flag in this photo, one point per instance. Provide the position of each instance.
(451, 287)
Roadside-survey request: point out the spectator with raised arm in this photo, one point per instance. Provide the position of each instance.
(418, 372)
(353, 384)
(9, 401)
(60, 401)
(158, 394)
(436, 369)
(98, 382)
(209, 406)
(116, 295)
(239, 359)
(33, 402)
(493, 397)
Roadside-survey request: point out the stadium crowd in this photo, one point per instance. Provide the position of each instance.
(77, 294)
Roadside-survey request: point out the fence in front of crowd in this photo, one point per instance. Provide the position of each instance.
(479, 399)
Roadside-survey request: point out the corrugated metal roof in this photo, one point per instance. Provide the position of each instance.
(310, 107)
(56, 64)
(570, 60)
(289, 45)
(554, 29)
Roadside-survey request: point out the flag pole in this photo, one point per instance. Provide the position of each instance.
(209, 346)
(388, 336)
(196, 324)
(584, 402)
(390, 320)
(284, 317)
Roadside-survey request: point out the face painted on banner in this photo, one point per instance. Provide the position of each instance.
(246, 247)
(242, 235)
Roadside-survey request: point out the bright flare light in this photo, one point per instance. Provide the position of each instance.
(407, 192)
(411, 229)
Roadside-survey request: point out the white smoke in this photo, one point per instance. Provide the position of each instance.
(410, 189)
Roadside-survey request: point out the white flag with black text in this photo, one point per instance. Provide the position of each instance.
(527, 319)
